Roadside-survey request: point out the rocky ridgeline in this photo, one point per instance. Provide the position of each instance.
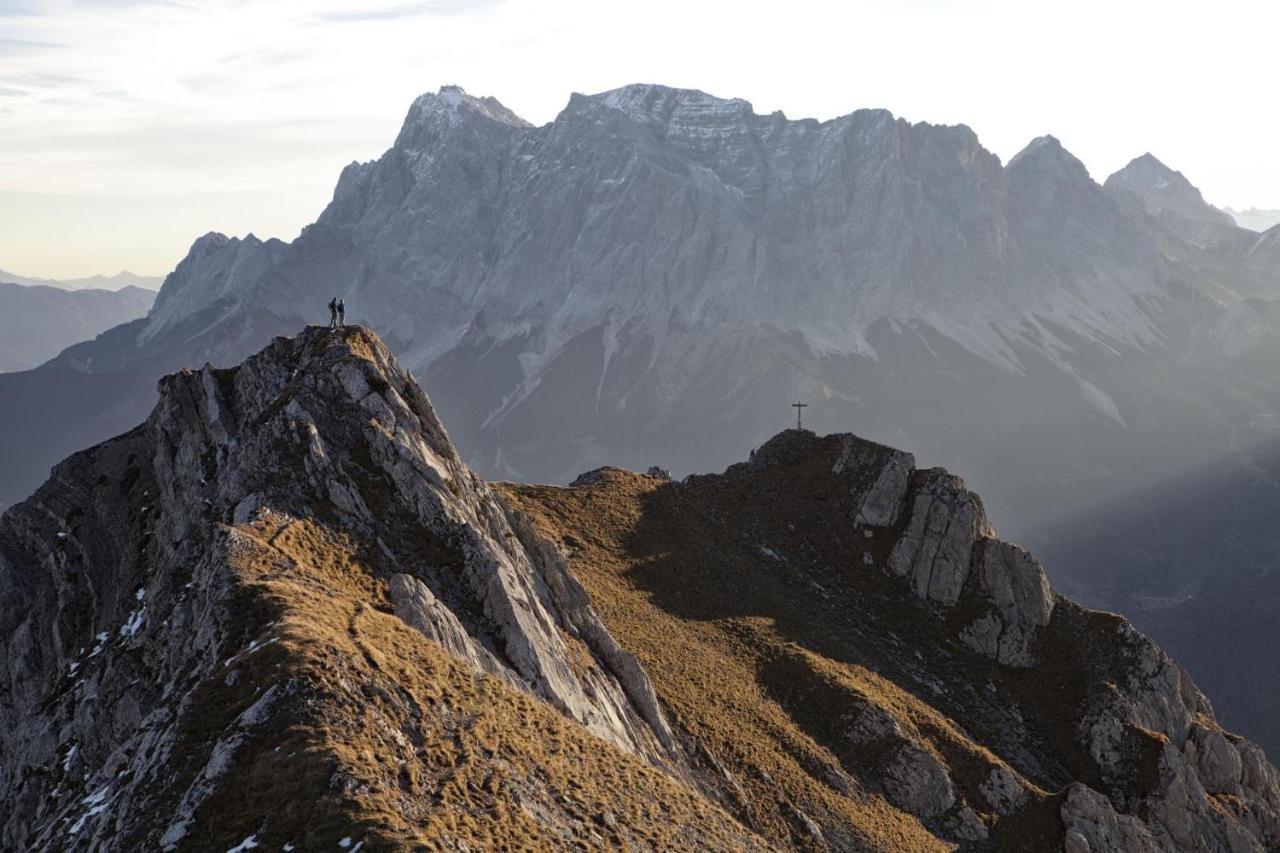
(1164, 775)
(136, 608)
(118, 600)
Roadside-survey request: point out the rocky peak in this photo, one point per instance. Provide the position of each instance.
(135, 581)
(1165, 192)
(433, 114)
(648, 103)
(1045, 156)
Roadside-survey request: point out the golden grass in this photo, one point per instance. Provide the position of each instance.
(707, 671)
(385, 738)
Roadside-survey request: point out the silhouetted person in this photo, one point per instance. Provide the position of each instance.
(342, 312)
(333, 312)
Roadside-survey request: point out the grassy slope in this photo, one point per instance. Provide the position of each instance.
(762, 658)
(383, 737)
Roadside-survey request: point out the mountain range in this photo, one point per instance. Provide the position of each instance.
(37, 322)
(654, 276)
(119, 281)
(282, 613)
(1255, 219)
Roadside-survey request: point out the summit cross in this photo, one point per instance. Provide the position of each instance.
(799, 407)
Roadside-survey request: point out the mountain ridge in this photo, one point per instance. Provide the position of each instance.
(283, 610)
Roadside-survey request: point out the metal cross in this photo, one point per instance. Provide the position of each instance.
(799, 407)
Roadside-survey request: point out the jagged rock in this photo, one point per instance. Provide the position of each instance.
(1014, 585)
(1217, 760)
(1093, 826)
(1004, 791)
(317, 461)
(916, 781)
(935, 550)
(416, 605)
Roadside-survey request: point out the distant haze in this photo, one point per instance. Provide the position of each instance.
(132, 127)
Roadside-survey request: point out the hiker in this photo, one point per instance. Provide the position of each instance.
(342, 312)
(333, 312)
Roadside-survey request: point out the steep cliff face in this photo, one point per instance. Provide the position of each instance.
(207, 634)
(282, 611)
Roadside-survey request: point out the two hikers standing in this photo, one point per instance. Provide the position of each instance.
(337, 312)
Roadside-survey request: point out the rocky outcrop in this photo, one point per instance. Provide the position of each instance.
(126, 598)
(1168, 196)
(1163, 775)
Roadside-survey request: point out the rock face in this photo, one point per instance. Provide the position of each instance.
(133, 589)
(1168, 195)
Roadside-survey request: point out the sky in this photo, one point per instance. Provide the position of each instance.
(130, 127)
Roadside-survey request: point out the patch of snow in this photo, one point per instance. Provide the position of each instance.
(66, 759)
(769, 552)
(248, 844)
(134, 622)
(62, 535)
(345, 843)
(102, 644)
(254, 646)
(97, 803)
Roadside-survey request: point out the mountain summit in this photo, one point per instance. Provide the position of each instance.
(283, 613)
(1167, 195)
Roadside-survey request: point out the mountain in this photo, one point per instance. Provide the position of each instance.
(1167, 195)
(1255, 219)
(653, 277)
(119, 281)
(38, 322)
(283, 613)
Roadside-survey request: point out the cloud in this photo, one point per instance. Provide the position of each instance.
(408, 10)
(44, 79)
(15, 45)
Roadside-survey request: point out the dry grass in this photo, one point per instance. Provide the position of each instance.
(384, 737)
(722, 677)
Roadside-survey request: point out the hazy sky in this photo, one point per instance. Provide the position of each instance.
(130, 127)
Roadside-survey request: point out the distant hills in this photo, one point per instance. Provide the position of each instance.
(1255, 219)
(37, 322)
(97, 282)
